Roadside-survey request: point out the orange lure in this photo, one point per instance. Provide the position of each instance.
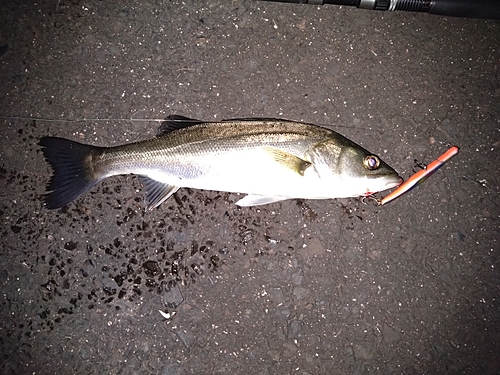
(420, 176)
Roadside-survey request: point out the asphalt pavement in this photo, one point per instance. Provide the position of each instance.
(202, 286)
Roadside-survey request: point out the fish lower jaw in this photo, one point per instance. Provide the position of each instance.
(398, 181)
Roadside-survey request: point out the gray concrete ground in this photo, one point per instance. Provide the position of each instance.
(298, 287)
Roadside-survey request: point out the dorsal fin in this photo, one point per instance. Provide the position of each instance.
(252, 119)
(175, 122)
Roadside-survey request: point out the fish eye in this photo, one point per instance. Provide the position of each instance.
(371, 162)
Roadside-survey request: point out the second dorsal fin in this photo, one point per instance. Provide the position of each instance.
(174, 122)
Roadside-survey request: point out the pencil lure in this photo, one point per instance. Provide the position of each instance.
(420, 176)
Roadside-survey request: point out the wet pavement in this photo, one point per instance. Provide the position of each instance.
(202, 286)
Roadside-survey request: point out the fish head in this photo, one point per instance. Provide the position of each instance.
(350, 169)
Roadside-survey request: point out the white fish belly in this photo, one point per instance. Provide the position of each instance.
(253, 171)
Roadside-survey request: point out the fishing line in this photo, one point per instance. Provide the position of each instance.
(145, 120)
(25, 118)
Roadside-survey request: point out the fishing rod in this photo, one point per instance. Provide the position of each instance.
(487, 9)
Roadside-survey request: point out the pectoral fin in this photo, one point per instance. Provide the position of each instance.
(288, 160)
(257, 200)
(156, 192)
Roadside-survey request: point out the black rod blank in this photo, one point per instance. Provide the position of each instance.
(487, 9)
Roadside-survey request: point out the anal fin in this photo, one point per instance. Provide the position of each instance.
(156, 192)
(258, 200)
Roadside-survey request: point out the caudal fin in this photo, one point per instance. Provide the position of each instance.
(70, 178)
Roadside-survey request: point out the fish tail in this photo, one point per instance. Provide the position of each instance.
(71, 178)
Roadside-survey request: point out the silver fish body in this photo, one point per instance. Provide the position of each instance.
(270, 160)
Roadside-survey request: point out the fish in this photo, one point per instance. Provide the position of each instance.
(270, 160)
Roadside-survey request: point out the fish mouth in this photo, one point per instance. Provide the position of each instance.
(385, 183)
(393, 182)
(388, 182)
